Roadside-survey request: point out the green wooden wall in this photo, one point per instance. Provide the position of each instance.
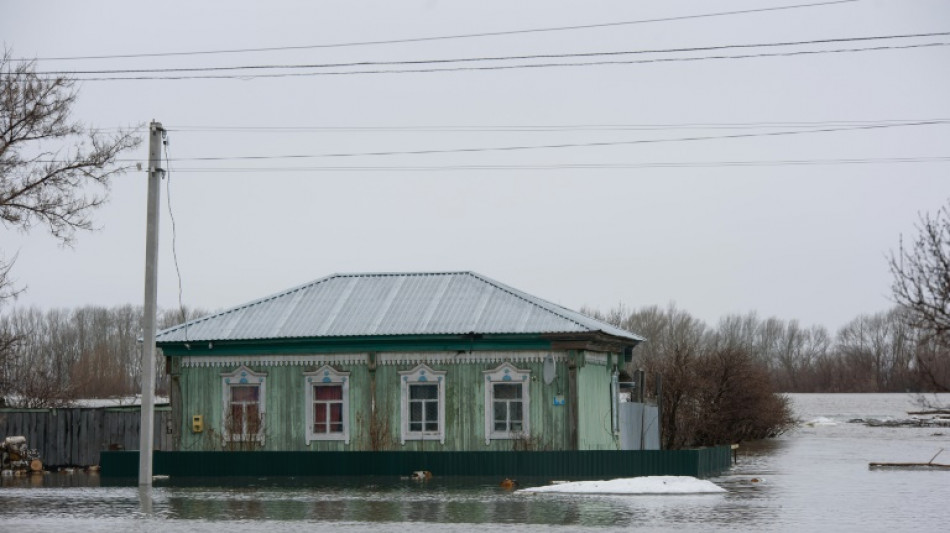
(594, 422)
(285, 406)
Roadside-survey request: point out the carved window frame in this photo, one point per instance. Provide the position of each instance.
(421, 374)
(243, 376)
(507, 373)
(327, 376)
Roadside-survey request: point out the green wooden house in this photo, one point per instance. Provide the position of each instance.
(413, 361)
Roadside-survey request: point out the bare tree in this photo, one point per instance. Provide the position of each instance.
(922, 284)
(54, 171)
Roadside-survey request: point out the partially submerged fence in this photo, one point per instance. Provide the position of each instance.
(75, 436)
(587, 464)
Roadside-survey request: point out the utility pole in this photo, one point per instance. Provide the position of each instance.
(146, 432)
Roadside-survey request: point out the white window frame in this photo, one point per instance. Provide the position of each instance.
(422, 374)
(242, 377)
(506, 373)
(326, 375)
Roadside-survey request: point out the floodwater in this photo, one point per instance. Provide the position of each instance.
(815, 478)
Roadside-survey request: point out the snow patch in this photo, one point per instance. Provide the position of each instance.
(634, 485)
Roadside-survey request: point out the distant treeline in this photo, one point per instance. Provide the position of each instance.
(50, 358)
(719, 383)
(872, 353)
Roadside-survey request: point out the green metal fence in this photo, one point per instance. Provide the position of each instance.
(594, 464)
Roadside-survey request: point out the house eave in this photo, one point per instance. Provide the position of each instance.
(471, 342)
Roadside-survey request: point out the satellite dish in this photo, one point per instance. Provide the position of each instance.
(550, 369)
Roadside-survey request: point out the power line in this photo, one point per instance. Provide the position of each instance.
(573, 145)
(530, 128)
(489, 59)
(578, 166)
(517, 66)
(450, 37)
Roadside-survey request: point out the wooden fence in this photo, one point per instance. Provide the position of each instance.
(75, 436)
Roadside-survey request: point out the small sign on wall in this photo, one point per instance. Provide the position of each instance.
(559, 400)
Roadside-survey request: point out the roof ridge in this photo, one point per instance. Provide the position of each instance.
(525, 296)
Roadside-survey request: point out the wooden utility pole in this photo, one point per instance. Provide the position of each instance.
(147, 429)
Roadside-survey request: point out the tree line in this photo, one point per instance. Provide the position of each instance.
(52, 358)
(719, 383)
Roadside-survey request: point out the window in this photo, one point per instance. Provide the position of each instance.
(423, 404)
(328, 405)
(506, 403)
(243, 399)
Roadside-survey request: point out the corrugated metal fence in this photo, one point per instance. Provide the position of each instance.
(75, 436)
(587, 464)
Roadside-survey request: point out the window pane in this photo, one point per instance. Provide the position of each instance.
(415, 411)
(320, 413)
(432, 426)
(423, 392)
(516, 427)
(432, 412)
(236, 419)
(336, 417)
(415, 426)
(516, 411)
(328, 392)
(244, 394)
(252, 424)
(507, 391)
(501, 411)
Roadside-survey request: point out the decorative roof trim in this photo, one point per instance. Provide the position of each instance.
(449, 358)
(394, 358)
(198, 361)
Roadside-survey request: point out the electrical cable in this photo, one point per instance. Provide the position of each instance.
(487, 59)
(247, 77)
(523, 128)
(171, 216)
(449, 37)
(580, 166)
(575, 145)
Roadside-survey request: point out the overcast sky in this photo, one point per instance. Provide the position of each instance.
(801, 234)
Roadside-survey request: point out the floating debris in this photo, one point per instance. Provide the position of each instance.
(930, 465)
(421, 475)
(508, 483)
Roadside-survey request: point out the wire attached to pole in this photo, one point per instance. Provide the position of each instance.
(171, 216)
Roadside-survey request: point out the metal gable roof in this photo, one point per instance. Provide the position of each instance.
(382, 304)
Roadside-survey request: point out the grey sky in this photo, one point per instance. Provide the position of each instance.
(797, 241)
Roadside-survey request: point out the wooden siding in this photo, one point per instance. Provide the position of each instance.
(75, 436)
(594, 421)
(285, 419)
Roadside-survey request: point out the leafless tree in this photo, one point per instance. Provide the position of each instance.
(921, 286)
(54, 171)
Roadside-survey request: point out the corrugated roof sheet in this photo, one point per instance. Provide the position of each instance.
(384, 304)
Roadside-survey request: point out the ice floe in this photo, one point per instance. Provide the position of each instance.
(820, 421)
(634, 485)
